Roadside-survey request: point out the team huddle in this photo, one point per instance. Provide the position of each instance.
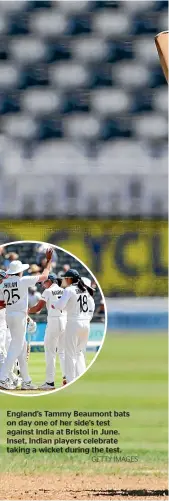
(70, 308)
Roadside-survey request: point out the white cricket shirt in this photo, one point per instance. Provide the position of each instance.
(79, 305)
(15, 293)
(50, 295)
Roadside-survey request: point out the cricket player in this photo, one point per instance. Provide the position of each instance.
(82, 341)
(76, 301)
(15, 295)
(54, 335)
(3, 324)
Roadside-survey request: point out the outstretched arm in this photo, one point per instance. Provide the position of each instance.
(38, 307)
(61, 303)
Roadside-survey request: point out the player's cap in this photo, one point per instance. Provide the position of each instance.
(17, 267)
(88, 283)
(52, 277)
(71, 274)
(3, 274)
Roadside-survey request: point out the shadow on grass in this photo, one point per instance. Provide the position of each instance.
(126, 492)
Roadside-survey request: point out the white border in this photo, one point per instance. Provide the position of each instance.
(51, 392)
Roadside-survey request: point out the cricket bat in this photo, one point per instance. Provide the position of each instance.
(161, 41)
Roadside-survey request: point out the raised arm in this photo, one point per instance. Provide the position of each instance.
(46, 271)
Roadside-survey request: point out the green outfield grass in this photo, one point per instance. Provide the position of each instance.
(37, 367)
(130, 373)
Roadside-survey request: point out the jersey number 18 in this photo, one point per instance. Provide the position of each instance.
(83, 303)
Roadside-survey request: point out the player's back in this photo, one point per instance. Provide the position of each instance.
(15, 293)
(50, 295)
(78, 304)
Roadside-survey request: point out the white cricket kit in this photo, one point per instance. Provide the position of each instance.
(3, 334)
(82, 341)
(15, 295)
(54, 334)
(80, 308)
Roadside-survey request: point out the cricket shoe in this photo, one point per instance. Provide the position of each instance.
(64, 381)
(46, 387)
(28, 386)
(17, 382)
(7, 385)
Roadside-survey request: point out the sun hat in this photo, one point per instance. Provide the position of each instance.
(17, 267)
(12, 255)
(34, 268)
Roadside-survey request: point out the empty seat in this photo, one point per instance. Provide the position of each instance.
(160, 100)
(134, 75)
(163, 21)
(109, 101)
(3, 24)
(82, 125)
(19, 126)
(27, 50)
(41, 101)
(10, 7)
(145, 51)
(151, 126)
(89, 49)
(124, 156)
(48, 23)
(138, 5)
(9, 75)
(72, 7)
(111, 23)
(69, 75)
(59, 156)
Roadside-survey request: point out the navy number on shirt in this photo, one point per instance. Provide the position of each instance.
(12, 296)
(83, 303)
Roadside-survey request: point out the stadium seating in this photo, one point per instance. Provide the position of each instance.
(81, 93)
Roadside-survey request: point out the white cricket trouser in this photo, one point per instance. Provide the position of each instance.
(61, 351)
(54, 330)
(18, 347)
(76, 337)
(3, 331)
(8, 339)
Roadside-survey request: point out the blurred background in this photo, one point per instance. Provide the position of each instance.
(83, 109)
(83, 136)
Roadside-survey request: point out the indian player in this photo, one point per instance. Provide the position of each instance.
(82, 341)
(3, 325)
(15, 295)
(54, 335)
(76, 301)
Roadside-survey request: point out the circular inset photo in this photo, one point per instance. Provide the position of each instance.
(53, 318)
